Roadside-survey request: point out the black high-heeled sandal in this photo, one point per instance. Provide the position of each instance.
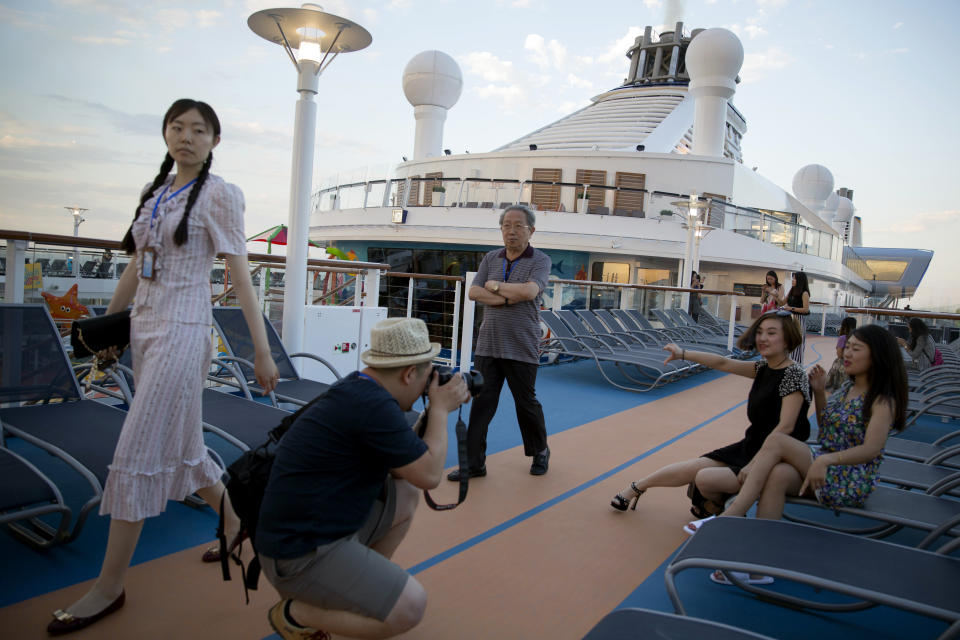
(620, 503)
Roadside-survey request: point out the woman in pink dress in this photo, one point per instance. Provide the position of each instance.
(182, 222)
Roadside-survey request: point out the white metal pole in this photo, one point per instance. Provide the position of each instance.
(466, 332)
(301, 174)
(733, 322)
(410, 297)
(455, 326)
(13, 291)
(77, 219)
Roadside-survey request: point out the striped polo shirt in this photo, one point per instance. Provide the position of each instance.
(512, 331)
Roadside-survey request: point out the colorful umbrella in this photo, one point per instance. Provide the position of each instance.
(274, 235)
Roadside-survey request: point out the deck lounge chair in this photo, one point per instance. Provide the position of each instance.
(694, 333)
(873, 571)
(941, 452)
(585, 320)
(25, 495)
(632, 624)
(565, 342)
(236, 337)
(893, 509)
(83, 433)
(620, 320)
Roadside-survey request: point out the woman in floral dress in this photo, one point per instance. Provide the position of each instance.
(182, 222)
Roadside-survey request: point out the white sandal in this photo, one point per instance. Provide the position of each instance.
(692, 527)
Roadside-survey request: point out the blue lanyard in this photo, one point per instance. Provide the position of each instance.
(153, 216)
(508, 266)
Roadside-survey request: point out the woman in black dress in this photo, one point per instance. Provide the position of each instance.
(778, 402)
(798, 303)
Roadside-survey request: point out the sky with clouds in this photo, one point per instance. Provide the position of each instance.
(863, 87)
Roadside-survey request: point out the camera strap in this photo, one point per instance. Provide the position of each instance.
(461, 432)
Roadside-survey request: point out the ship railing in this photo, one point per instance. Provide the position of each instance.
(435, 299)
(777, 228)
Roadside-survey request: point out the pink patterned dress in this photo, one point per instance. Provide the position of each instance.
(161, 455)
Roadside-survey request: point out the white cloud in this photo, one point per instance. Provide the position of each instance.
(900, 50)
(207, 18)
(576, 81)
(771, 3)
(399, 4)
(617, 50)
(545, 54)
(898, 25)
(652, 4)
(370, 14)
(489, 67)
(754, 30)
(757, 65)
(521, 4)
(509, 96)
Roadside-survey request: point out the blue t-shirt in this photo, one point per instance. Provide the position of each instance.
(330, 467)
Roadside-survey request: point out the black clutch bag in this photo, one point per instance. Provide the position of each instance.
(92, 335)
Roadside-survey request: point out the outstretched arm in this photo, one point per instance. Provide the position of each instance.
(712, 360)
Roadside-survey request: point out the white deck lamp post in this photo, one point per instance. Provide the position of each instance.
(77, 220)
(693, 206)
(312, 39)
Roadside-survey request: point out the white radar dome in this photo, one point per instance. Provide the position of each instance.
(813, 183)
(432, 78)
(716, 54)
(829, 209)
(844, 209)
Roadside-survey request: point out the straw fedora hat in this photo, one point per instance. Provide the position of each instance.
(399, 342)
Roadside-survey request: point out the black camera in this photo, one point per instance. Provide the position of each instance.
(473, 378)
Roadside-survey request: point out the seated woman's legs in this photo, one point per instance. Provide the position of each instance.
(776, 448)
(672, 475)
(784, 480)
(716, 482)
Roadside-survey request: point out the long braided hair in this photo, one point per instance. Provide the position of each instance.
(177, 109)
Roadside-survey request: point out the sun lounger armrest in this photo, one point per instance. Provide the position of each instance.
(950, 436)
(318, 359)
(86, 368)
(225, 362)
(943, 485)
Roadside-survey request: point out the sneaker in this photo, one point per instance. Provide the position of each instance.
(692, 527)
(454, 475)
(289, 631)
(541, 463)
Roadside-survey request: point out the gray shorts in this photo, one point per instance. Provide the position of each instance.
(345, 575)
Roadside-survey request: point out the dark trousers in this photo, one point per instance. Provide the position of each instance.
(521, 377)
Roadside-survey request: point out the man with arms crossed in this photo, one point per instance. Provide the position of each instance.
(343, 489)
(509, 283)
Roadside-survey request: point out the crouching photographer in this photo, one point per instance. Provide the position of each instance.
(344, 487)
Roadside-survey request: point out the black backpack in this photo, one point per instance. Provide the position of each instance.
(246, 484)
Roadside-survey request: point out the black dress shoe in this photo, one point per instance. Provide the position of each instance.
(541, 462)
(454, 475)
(64, 622)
